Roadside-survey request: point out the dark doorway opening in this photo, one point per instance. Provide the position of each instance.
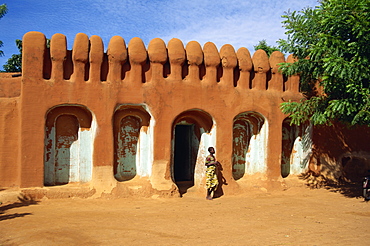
(184, 157)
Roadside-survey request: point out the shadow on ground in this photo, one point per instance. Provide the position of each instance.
(347, 189)
(23, 201)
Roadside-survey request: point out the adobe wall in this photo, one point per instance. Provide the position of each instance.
(160, 87)
(341, 153)
(10, 90)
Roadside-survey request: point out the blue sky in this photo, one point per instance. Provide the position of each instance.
(239, 23)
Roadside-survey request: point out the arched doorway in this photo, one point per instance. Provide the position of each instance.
(68, 145)
(296, 146)
(188, 147)
(247, 143)
(131, 148)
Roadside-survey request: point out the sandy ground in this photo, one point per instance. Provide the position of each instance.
(297, 216)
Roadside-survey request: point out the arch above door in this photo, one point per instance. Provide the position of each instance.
(69, 137)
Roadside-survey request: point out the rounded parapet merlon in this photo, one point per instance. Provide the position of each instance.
(176, 51)
(261, 66)
(58, 55)
(80, 56)
(275, 59)
(211, 56)
(96, 58)
(244, 60)
(276, 82)
(194, 55)
(117, 56)
(157, 53)
(137, 51)
(137, 56)
(80, 51)
(292, 83)
(177, 57)
(260, 62)
(245, 67)
(228, 56)
(212, 60)
(33, 50)
(134, 64)
(229, 61)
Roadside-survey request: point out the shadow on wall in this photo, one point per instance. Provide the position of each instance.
(221, 181)
(340, 158)
(341, 153)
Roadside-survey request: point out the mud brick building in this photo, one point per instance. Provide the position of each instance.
(137, 120)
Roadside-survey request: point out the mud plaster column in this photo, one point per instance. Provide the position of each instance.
(103, 106)
(274, 145)
(103, 177)
(33, 109)
(103, 157)
(161, 170)
(224, 148)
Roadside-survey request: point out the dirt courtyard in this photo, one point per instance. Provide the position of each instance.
(297, 216)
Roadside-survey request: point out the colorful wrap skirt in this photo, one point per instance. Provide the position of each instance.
(211, 181)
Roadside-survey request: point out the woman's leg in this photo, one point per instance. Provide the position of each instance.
(209, 193)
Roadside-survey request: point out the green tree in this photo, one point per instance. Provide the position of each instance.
(14, 63)
(331, 43)
(3, 11)
(262, 45)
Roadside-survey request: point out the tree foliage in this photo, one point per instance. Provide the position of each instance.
(331, 43)
(14, 63)
(262, 45)
(3, 11)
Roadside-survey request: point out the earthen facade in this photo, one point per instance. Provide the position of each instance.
(137, 120)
